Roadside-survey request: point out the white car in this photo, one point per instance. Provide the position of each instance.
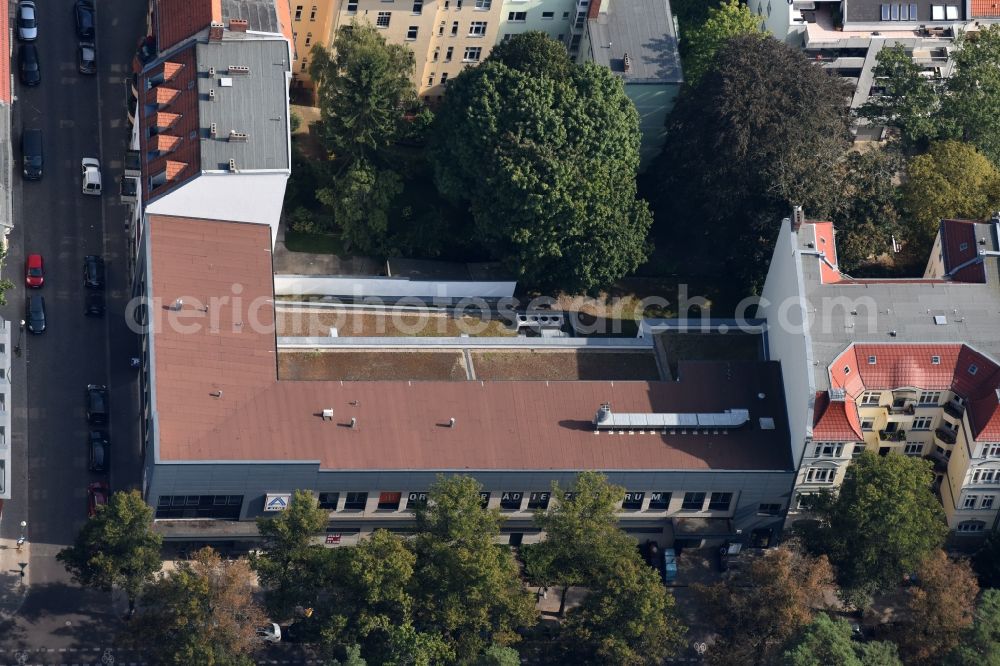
(270, 633)
(91, 169)
(27, 21)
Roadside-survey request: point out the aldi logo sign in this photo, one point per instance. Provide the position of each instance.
(277, 502)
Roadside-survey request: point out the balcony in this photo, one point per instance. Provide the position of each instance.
(892, 435)
(940, 462)
(946, 435)
(954, 409)
(129, 189)
(133, 164)
(907, 408)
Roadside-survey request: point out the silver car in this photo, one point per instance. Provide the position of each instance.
(27, 21)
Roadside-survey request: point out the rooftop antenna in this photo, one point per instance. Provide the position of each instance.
(216, 394)
(451, 422)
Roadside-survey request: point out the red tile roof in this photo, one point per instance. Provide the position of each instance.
(181, 111)
(170, 69)
(961, 369)
(402, 424)
(985, 9)
(959, 246)
(835, 420)
(177, 20)
(826, 244)
(166, 143)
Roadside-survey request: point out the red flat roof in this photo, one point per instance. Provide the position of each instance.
(401, 424)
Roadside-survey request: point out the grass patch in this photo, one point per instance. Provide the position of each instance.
(296, 241)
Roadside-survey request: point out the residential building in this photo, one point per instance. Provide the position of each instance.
(227, 438)
(312, 25)
(846, 36)
(906, 365)
(555, 18)
(209, 115)
(637, 40)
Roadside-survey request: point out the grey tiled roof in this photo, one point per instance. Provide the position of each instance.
(255, 104)
(259, 14)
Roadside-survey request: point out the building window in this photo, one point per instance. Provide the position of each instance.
(356, 501)
(389, 501)
(411, 32)
(804, 501)
(414, 500)
(829, 450)
(991, 450)
(970, 526)
(847, 370)
(868, 424)
(871, 360)
(857, 451)
(820, 475)
(476, 29)
(935, 360)
(312, 13)
(352, 6)
(922, 423)
(221, 507)
(454, 28)
(632, 501)
(448, 53)
(437, 52)
(970, 501)
(769, 510)
(328, 501)
(305, 64)
(509, 501)
(444, 78)
(418, 6)
(472, 53)
(382, 21)
(548, 16)
(987, 502)
(720, 501)
(430, 79)
(913, 449)
(484, 4)
(298, 13)
(986, 476)
(566, 15)
(517, 17)
(659, 501)
(871, 397)
(539, 500)
(930, 398)
(309, 38)
(693, 501)
(973, 369)
(484, 499)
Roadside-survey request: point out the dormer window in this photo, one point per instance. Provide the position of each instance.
(871, 360)
(973, 369)
(154, 80)
(935, 360)
(157, 180)
(847, 370)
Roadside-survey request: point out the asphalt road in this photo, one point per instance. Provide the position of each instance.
(80, 116)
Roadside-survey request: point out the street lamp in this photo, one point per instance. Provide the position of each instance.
(20, 539)
(20, 334)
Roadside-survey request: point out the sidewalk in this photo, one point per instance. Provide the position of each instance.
(15, 575)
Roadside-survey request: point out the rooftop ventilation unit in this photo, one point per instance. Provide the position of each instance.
(211, 94)
(540, 319)
(327, 414)
(238, 69)
(940, 320)
(232, 165)
(238, 137)
(626, 62)
(225, 82)
(213, 130)
(605, 419)
(211, 71)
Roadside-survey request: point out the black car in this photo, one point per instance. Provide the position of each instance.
(97, 404)
(99, 450)
(85, 20)
(94, 304)
(27, 63)
(86, 58)
(34, 313)
(93, 272)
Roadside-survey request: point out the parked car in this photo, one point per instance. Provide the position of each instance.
(90, 168)
(27, 65)
(669, 565)
(97, 404)
(85, 20)
(93, 272)
(94, 304)
(99, 450)
(86, 58)
(97, 496)
(27, 21)
(34, 271)
(270, 633)
(34, 313)
(31, 153)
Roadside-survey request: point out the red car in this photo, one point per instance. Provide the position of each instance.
(34, 271)
(97, 495)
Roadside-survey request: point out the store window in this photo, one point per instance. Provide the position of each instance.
(538, 500)
(356, 501)
(632, 501)
(693, 501)
(329, 501)
(511, 500)
(389, 501)
(659, 501)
